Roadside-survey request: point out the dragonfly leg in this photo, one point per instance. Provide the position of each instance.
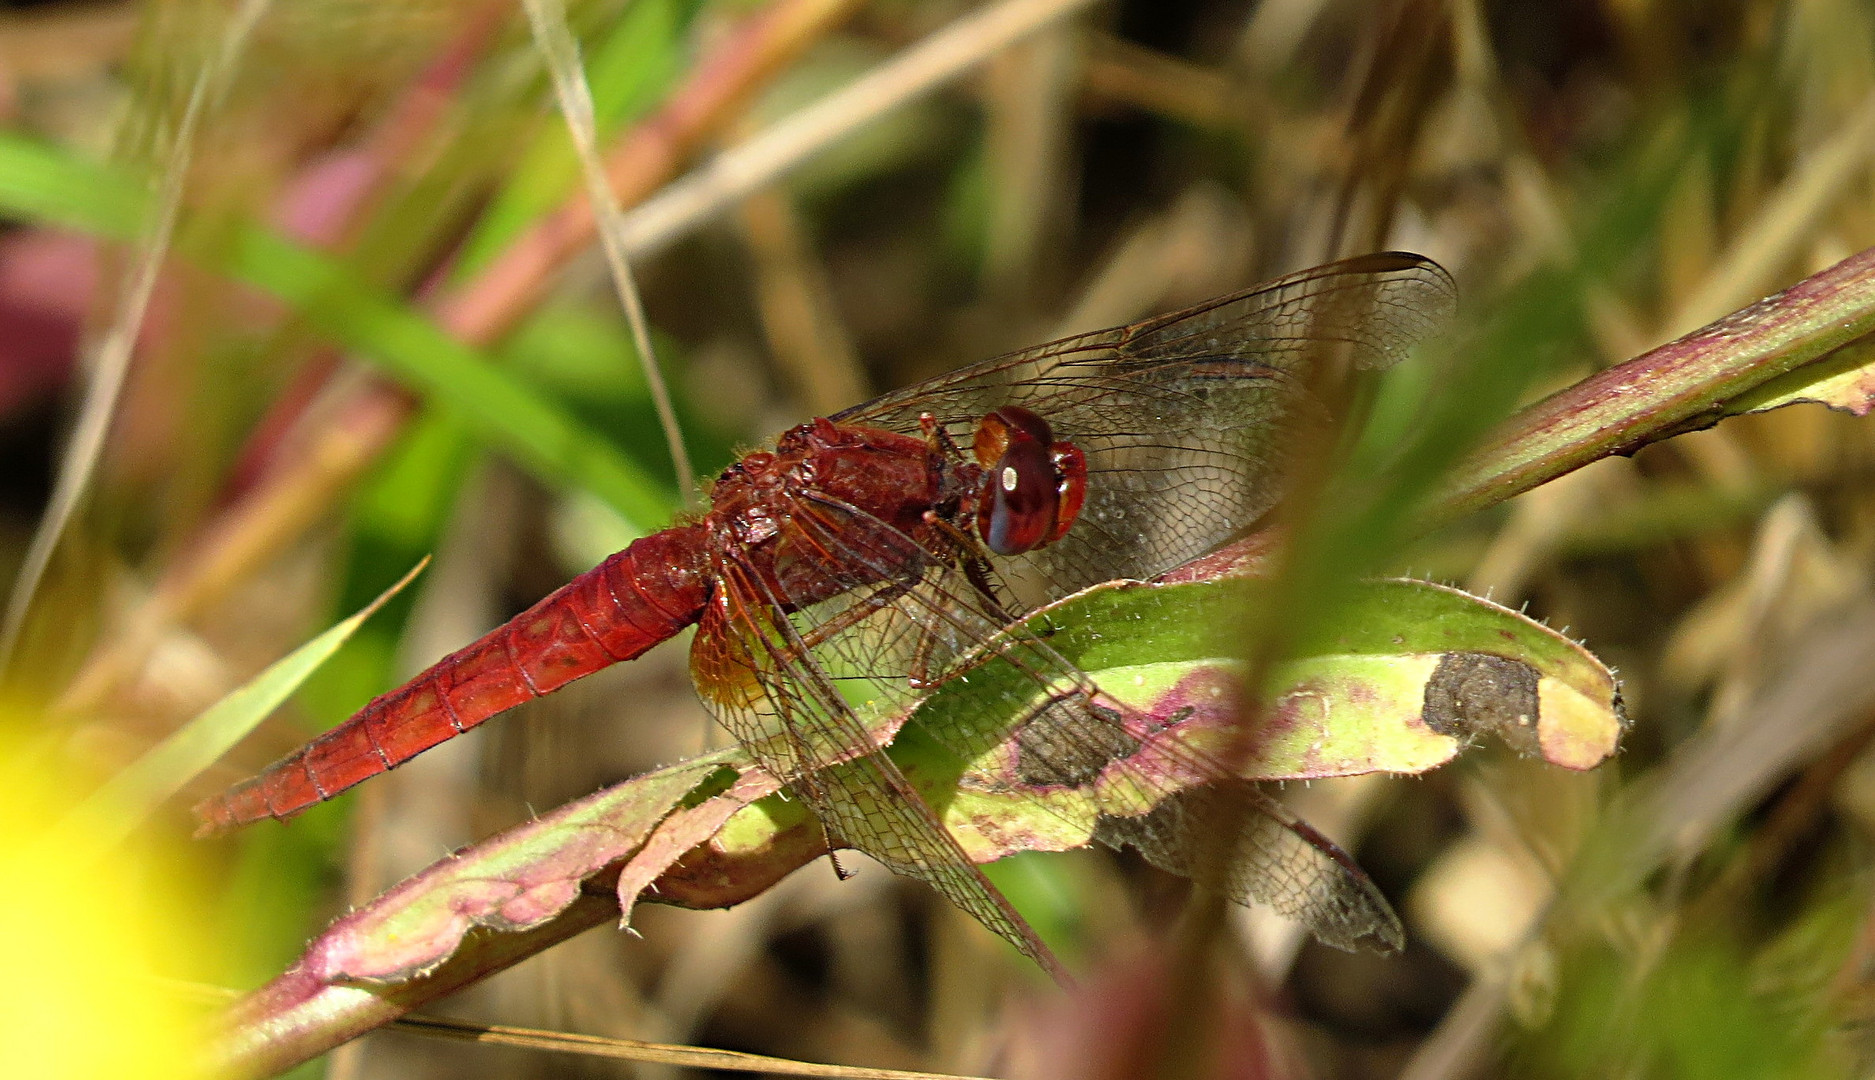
(815, 796)
(833, 857)
(874, 602)
(939, 437)
(967, 557)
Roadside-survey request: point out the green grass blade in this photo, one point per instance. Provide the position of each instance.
(505, 411)
(118, 807)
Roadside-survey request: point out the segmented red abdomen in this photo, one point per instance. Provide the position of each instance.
(615, 611)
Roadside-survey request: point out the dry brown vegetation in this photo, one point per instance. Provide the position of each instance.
(1599, 177)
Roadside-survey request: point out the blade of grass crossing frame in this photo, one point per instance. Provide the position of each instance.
(635, 61)
(118, 807)
(110, 363)
(560, 50)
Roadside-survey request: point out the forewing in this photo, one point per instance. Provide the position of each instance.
(910, 617)
(766, 687)
(1185, 418)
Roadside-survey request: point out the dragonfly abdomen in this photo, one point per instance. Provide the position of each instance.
(615, 611)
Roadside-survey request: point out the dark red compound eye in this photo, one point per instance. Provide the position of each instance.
(1033, 487)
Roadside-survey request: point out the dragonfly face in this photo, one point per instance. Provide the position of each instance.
(1032, 487)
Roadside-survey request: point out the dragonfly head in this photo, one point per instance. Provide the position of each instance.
(1033, 486)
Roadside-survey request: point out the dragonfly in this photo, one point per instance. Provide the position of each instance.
(880, 552)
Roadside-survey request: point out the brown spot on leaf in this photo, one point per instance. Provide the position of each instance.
(1471, 693)
(1072, 749)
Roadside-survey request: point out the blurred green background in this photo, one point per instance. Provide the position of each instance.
(382, 336)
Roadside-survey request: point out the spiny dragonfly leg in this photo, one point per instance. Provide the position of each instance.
(976, 568)
(969, 555)
(874, 602)
(939, 438)
(814, 796)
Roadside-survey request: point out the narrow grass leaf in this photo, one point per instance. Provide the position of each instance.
(134, 793)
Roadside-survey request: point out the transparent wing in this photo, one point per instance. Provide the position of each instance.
(1183, 418)
(767, 688)
(1277, 859)
(938, 619)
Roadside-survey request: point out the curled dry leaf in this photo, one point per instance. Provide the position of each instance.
(690, 826)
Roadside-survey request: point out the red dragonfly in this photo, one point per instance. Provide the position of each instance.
(871, 548)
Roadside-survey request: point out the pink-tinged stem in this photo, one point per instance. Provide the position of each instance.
(1681, 386)
(299, 1015)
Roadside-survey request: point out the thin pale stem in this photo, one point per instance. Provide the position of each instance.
(560, 50)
